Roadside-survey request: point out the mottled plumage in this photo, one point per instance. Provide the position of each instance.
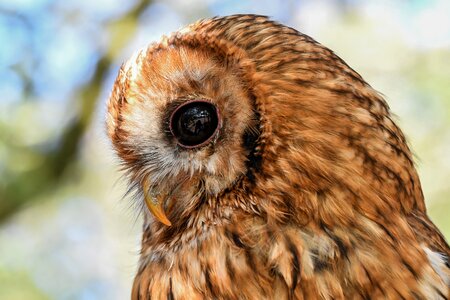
(308, 189)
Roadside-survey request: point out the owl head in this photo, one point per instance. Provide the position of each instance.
(183, 118)
(246, 111)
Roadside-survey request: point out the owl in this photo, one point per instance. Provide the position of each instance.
(267, 168)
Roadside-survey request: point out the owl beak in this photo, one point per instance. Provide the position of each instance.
(155, 205)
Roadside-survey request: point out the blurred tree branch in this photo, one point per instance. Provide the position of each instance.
(26, 187)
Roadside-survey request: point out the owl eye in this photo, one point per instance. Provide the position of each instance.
(194, 123)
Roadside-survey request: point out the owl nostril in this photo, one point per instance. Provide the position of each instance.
(194, 123)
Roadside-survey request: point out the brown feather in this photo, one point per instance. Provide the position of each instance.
(309, 190)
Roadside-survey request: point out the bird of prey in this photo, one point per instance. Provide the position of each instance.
(267, 168)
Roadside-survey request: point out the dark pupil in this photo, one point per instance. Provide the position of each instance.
(194, 123)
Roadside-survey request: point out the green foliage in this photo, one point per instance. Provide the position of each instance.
(17, 285)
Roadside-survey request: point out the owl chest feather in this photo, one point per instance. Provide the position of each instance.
(287, 262)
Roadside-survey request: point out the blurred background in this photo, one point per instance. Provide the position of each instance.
(66, 232)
